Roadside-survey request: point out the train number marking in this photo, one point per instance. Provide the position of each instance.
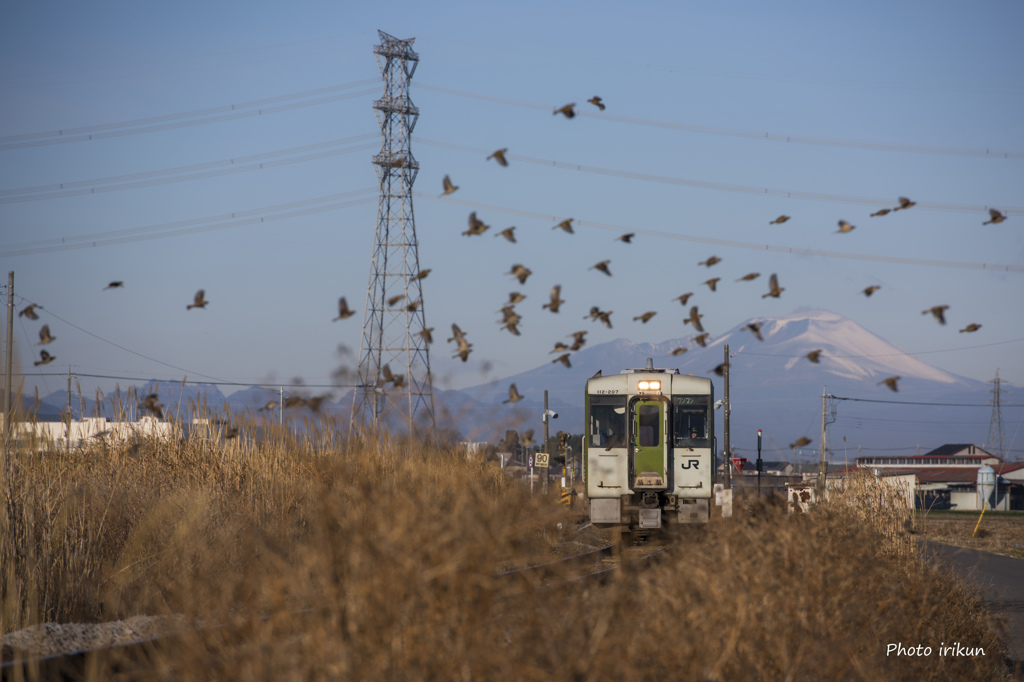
(607, 390)
(694, 463)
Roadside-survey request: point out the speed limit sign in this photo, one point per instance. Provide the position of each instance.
(542, 459)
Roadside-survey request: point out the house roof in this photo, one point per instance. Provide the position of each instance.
(951, 449)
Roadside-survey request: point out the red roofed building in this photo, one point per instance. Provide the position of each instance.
(947, 477)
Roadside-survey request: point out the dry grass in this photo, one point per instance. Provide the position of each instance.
(390, 546)
(999, 532)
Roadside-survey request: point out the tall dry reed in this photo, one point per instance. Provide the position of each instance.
(325, 556)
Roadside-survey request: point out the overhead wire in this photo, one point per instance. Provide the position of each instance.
(59, 137)
(887, 355)
(191, 226)
(722, 186)
(731, 242)
(182, 173)
(736, 132)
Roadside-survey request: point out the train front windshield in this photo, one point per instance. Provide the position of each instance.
(608, 421)
(691, 420)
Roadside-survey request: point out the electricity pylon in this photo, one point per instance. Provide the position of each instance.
(394, 317)
(996, 435)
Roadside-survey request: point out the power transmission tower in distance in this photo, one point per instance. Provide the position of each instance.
(394, 318)
(996, 436)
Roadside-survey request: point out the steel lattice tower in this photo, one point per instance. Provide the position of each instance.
(394, 317)
(996, 435)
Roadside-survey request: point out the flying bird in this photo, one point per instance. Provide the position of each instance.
(596, 101)
(198, 301)
(269, 407)
(476, 226)
(343, 310)
(701, 339)
(564, 359)
(680, 350)
(871, 289)
(712, 282)
(710, 261)
(421, 274)
(684, 298)
(412, 307)
(756, 328)
(151, 404)
(694, 319)
(515, 297)
(513, 395)
(556, 299)
(464, 347)
(393, 301)
(449, 188)
(749, 277)
(996, 217)
(114, 285)
(526, 439)
(508, 233)
(606, 318)
(645, 317)
(778, 221)
(44, 358)
(720, 369)
(972, 327)
(603, 267)
(567, 110)
(313, 402)
(499, 156)
(627, 238)
(773, 287)
(578, 340)
(386, 376)
(426, 335)
(565, 225)
(814, 355)
(29, 311)
(904, 203)
(44, 335)
(845, 227)
(938, 311)
(800, 442)
(230, 432)
(291, 401)
(890, 382)
(880, 212)
(520, 272)
(560, 348)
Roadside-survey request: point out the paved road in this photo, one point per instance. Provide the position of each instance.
(1001, 579)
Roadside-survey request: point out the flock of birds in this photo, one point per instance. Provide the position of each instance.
(511, 319)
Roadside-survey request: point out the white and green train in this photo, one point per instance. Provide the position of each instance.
(649, 449)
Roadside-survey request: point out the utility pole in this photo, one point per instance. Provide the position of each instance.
(822, 468)
(544, 488)
(9, 359)
(726, 455)
(70, 413)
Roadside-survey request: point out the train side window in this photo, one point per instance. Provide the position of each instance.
(607, 428)
(691, 420)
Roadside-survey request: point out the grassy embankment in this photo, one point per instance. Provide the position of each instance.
(999, 532)
(391, 546)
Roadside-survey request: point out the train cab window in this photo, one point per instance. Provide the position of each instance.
(607, 427)
(691, 420)
(648, 433)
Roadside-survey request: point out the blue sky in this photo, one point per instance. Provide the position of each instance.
(711, 91)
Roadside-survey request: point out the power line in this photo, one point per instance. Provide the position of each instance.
(907, 402)
(180, 381)
(888, 355)
(736, 132)
(730, 242)
(154, 177)
(721, 186)
(182, 227)
(119, 130)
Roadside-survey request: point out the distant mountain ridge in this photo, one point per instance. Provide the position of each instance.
(773, 386)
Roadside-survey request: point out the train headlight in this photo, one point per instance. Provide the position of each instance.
(649, 386)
